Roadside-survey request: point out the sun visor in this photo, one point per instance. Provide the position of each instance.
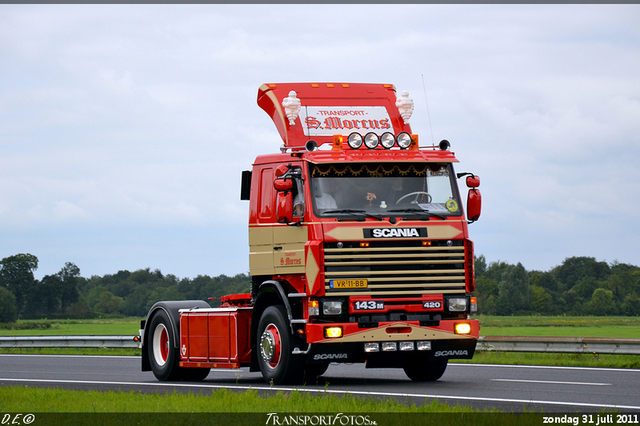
(318, 111)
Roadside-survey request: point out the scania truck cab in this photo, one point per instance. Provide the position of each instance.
(358, 249)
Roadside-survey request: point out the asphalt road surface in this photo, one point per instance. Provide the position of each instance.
(509, 388)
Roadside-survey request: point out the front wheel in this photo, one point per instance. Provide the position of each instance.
(274, 345)
(424, 371)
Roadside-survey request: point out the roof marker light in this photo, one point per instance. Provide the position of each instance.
(337, 143)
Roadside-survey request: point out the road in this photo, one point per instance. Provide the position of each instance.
(509, 388)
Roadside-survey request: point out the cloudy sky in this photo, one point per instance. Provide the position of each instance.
(124, 128)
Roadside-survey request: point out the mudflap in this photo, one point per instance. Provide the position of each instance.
(338, 352)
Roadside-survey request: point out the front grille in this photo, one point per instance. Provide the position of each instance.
(396, 268)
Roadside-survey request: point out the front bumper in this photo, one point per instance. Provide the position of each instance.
(442, 340)
(391, 331)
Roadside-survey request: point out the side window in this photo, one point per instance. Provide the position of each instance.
(266, 204)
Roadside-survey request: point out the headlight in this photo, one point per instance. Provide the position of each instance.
(371, 140)
(389, 346)
(355, 140)
(424, 346)
(406, 346)
(457, 304)
(332, 307)
(404, 140)
(372, 347)
(388, 140)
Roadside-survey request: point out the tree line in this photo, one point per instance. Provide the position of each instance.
(579, 286)
(67, 294)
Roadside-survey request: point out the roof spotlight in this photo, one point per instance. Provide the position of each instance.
(355, 140)
(404, 140)
(371, 140)
(388, 140)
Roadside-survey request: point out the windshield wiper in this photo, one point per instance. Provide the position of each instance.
(352, 211)
(418, 211)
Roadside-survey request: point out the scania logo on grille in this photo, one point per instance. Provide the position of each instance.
(395, 233)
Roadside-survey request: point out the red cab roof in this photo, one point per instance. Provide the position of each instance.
(320, 110)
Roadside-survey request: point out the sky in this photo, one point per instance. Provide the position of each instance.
(124, 129)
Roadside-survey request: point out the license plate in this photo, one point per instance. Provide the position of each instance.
(360, 283)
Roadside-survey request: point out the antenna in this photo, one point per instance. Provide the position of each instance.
(428, 114)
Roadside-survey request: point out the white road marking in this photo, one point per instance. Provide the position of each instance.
(328, 391)
(552, 382)
(544, 367)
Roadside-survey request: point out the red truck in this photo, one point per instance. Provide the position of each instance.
(358, 250)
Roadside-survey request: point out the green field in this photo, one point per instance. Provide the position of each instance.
(107, 327)
(562, 326)
(622, 327)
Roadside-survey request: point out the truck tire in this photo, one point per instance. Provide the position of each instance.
(163, 356)
(424, 371)
(274, 344)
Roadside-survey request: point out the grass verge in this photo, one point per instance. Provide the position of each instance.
(29, 399)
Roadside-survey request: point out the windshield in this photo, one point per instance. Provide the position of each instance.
(384, 189)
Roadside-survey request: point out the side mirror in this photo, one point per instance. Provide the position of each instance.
(284, 206)
(283, 185)
(473, 181)
(474, 204)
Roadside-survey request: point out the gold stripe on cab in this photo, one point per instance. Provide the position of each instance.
(355, 233)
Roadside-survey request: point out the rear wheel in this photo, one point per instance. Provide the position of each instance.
(274, 345)
(424, 371)
(163, 355)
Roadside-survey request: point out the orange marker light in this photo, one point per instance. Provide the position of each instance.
(314, 308)
(462, 328)
(337, 143)
(332, 332)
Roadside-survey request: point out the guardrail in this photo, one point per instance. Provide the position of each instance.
(485, 343)
(599, 345)
(69, 341)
